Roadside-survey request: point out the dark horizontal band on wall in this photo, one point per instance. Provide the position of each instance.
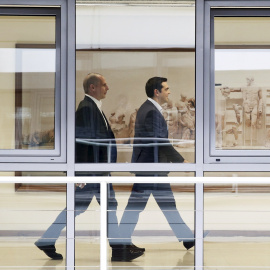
(224, 188)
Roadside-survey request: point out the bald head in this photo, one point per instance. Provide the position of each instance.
(91, 78)
(94, 84)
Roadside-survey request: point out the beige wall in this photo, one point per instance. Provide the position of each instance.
(239, 31)
(127, 72)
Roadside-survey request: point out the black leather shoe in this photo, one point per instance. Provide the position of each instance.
(50, 251)
(133, 247)
(189, 244)
(125, 254)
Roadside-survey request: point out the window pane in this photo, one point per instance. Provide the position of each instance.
(242, 83)
(132, 25)
(158, 217)
(87, 226)
(237, 218)
(27, 88)
(127, 60)
(126, 74)
(25, 215)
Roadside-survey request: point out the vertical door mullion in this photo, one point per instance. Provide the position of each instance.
(70, 229)
(103, 225)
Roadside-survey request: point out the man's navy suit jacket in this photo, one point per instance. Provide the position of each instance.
(90, 124)
(151, 131)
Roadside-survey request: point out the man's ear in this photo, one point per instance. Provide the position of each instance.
(156, 92)
(91, 88)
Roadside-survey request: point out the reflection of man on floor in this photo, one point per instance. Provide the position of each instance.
(91, 123)
(150, 124)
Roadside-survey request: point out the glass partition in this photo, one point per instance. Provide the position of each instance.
(237, 217)
(242, 85)
(30, 82)
(126, 95)
(87, 226)
(239, 84)
(25, 216)
(126, 61)
(112, 71)
(155, 219)
(149, 220)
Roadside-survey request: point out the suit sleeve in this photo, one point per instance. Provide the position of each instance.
(170, 153)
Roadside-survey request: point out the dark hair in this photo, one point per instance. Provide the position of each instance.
(91, 78)
(152, 84)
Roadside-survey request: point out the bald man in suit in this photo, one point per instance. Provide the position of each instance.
(93, 136)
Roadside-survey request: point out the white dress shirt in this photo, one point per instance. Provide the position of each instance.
(156, 105)
(99, 104)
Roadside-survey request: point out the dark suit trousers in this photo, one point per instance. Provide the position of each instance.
(164, 197)
(83, 198)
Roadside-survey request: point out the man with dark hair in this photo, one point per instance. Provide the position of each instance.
(151, 144)
(152, 84)
(92, 126)
(150, 123)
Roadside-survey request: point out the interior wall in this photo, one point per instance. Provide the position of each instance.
(102, 26)
(244, 30)
(127, 73)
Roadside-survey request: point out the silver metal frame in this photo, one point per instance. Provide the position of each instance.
(199, 205)
(70, 12)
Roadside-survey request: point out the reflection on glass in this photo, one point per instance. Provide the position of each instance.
(27, 88)
(87, 222)
(160, 223)
(242, 83)
(148, 228)
(87, 225)
(25, 215)
(237, 217)
(121, 104)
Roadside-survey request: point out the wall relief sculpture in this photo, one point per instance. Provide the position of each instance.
(179, 115)
(241, 116)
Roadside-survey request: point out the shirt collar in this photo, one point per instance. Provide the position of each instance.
(98, 102)
(156, 104)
